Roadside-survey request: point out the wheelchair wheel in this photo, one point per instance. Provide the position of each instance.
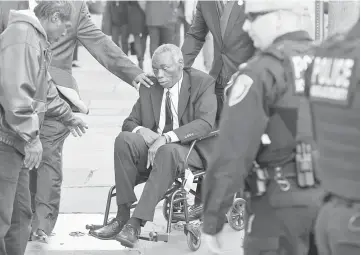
(235, 215)
(177, 210)
(194, 240)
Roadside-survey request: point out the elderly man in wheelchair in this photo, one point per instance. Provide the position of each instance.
(156, 140)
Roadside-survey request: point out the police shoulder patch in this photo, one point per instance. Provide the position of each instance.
(239, 89)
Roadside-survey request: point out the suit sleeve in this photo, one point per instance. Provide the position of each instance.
(105, 50)
(241, 129)
(57, 108)
(205, 114)
(195, 37)
(134, 119)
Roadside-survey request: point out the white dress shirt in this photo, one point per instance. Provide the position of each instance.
(174, 96)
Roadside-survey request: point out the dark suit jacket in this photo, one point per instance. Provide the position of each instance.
(234, 49)
(96, 42)
(6, 6)
(197, 109)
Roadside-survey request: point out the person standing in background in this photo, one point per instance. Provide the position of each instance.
(115, 23)
(6, 6)
(161, 19)
(138, 28)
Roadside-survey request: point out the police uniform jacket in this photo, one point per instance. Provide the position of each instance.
(333, 90)
(259, 101)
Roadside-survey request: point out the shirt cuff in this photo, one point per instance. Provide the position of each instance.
(173, 137)
(136, 129)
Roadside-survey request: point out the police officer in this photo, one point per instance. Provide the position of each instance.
(333, 90)
(282, 198)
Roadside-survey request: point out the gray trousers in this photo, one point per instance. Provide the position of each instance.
(15, 209)
(130, 159)
(46, 182)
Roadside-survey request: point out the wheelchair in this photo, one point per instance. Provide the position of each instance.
(175, 202)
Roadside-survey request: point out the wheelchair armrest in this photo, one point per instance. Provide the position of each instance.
(211, 134)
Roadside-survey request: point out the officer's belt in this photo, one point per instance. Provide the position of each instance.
(288, 170)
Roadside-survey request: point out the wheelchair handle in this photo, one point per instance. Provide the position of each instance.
(211, 134)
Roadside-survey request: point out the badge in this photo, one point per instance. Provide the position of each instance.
(239, 89)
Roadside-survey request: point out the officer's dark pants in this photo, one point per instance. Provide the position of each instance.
(281, 221)
(337, 228)
(49, 176)
(15, 209)
(220, 102)
(130, 160)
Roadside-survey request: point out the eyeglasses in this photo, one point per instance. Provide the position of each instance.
(252, 16)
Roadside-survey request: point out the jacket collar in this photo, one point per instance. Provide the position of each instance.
(157, 94)
(28, 16)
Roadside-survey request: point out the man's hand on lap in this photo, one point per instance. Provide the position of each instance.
(154, 148)
(148, 135)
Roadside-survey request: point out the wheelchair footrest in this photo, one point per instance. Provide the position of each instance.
(156, 237)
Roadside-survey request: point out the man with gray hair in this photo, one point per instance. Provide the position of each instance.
(27, 94)
(155, 138)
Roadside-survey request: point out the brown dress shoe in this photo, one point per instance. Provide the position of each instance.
(129, 236)
(109, 231)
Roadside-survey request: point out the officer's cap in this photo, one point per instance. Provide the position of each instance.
(256, 6)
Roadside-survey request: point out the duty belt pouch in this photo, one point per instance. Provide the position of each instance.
(258, 180)
(305, 166)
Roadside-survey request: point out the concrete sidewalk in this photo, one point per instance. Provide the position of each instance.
(62, 243)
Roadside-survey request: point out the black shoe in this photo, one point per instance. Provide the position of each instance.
(129, 236)
(40, 236)
(109, 231)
